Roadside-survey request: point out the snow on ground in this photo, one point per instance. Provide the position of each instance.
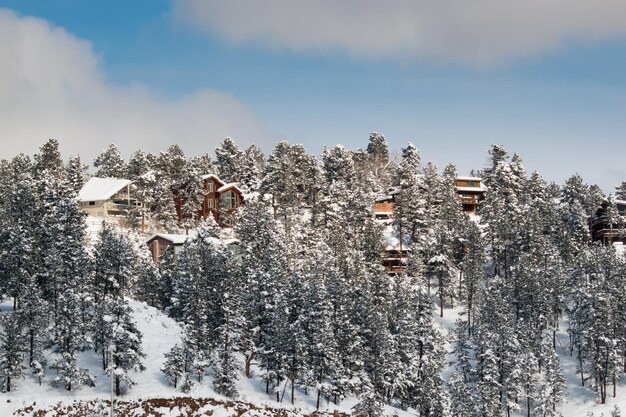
(580, 400)
(160, 334)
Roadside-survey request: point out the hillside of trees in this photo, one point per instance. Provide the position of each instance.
(304, 298)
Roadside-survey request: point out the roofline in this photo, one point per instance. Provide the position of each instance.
(213, 176)
(164, 237)
(226, 187)
(125, 184)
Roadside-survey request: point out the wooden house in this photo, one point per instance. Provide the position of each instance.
(158, 243)
(110, 198)
(472, 192)
(384, 204)
(221, 200)
(603, 229)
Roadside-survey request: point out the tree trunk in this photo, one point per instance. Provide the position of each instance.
(317, 403)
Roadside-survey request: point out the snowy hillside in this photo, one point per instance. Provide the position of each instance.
(160, 334)
(156, 397)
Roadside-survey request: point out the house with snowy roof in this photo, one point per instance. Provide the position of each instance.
(221, 200)
(109, 198)
(158, 244)
(472, 192)
(384, 204)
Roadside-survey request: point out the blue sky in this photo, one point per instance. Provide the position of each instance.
(549, 84)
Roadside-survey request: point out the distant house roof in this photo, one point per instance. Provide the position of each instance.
(469, 178)
(174, 239)
(98, 189)
(213, 177)
(481, 188)
(229, 186)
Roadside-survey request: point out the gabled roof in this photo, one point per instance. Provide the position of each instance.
(214, 178)
(173, 238)
(229, 186)
(98, 189)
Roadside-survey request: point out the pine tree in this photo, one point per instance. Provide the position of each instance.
(147, 278)
(67, 275)
(230, 161)
(552, 391)
(48, 162)
(19, 236)
(620, 191)
(175, 365)
(263, 269)
(75, 174)
(370, 405)
(254, 165)
(227, 366)
(126, 339)
(11, 350)
(110, 163)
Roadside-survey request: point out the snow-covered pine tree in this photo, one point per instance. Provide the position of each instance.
(113, 263)
(12, 352)
(175, 365)
(552, 390)
(48, 161)
(146, 276)
(168, 271)
(75, 174)
(126, 339)
(410, 205)
(290, 179)
(230, 161)
(263, 266)
(226, 364)
(380, 164)
(33, 314)
(254, 165)
(18, 240)
(66, 273)
(110, 163)
(620, 191)
(370, 405)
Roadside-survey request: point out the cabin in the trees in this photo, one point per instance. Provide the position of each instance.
(383, 206)
(159, 242)
(221, 200)
(110, 198)
(396, 249)
(471, 191)
(609, 225)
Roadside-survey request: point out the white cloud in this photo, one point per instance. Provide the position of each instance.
(52, 86)
(475, 32)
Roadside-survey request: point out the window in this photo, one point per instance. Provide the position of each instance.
(92, 203)
(471, 183)
(228, 200)
(211, 203)
(209, 186)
